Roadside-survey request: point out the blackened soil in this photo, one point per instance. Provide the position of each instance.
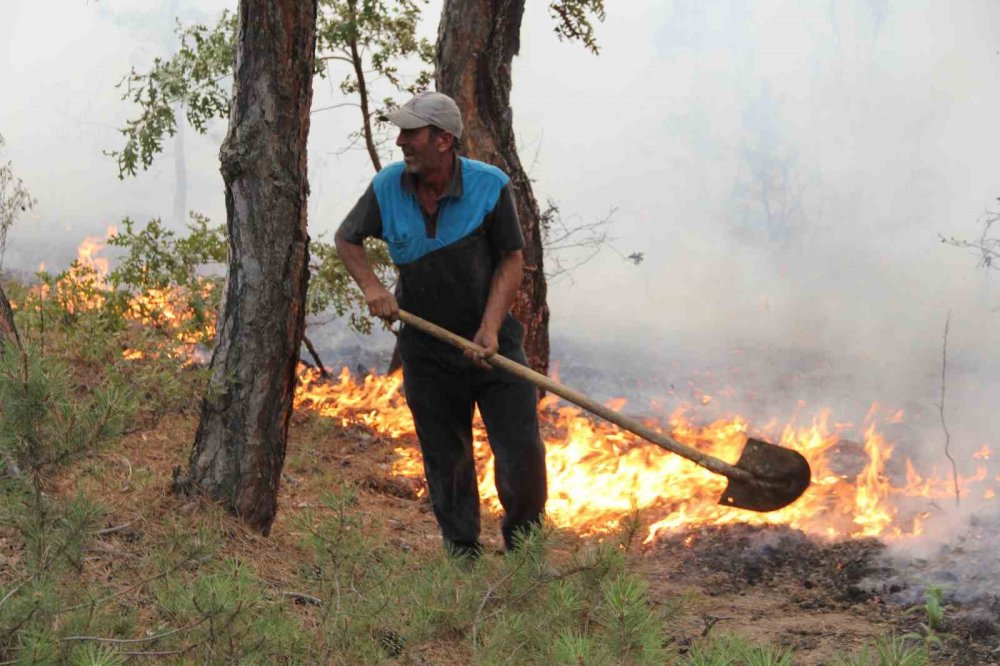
(813, 596)
(738, 557)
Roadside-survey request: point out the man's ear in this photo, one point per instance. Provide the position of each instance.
(447, 141)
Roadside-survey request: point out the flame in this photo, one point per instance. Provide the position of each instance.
(598, 473)
(165, 309)
(86, 255)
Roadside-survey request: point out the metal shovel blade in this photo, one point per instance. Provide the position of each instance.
(779, 477)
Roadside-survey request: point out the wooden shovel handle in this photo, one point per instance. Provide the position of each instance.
(710, 463)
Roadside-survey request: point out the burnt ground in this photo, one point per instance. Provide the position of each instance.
(777, 585)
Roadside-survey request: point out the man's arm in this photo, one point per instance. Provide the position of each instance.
(381, 302)
(503, 289)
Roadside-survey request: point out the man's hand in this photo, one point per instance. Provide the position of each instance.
(381, 302)
(487, 339)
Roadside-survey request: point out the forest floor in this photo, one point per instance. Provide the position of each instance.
(769, 585)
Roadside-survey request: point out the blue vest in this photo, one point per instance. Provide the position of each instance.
(403, 223)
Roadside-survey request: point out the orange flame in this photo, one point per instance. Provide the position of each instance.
(165, 309)
(598, 473)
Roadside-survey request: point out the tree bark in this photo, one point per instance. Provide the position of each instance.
(239, 447)
(477, 40)
(8, 331)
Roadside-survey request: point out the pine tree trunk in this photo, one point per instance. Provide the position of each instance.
(239, 447)
(8, 331)
(477, 40)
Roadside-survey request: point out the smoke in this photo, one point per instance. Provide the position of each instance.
(784, 168)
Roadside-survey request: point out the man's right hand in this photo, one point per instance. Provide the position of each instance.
(381, 302)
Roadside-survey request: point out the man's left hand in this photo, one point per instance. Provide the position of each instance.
(487, 339)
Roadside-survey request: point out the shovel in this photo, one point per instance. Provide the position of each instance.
(765, 478)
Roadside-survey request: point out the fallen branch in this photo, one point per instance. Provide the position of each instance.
(292, 594)
(305, 598)
(710, 621)
(111, 530)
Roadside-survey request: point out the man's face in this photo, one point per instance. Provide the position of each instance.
(422, 149)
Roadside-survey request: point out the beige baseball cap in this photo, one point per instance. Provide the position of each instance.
(429, 108)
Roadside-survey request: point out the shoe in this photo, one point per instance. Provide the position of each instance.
(468, 551)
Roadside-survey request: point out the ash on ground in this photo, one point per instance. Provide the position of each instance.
(964, 571)
(856, 575)
(732, 558)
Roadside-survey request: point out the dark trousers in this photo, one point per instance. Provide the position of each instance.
(442, 398)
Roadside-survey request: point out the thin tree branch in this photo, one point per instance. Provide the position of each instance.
(336, 57)
(315, 355)
(334, 106)
(944, 424)
(363, 91)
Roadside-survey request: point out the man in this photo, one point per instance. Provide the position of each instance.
(452, 230)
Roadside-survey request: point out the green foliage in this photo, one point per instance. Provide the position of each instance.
(225, 612)
(730, 650)
(624, 612)
(332, 287)
(931, 629)
(41, 424)
(520, 608)
(573, 21)
(191, 78)
(370, 36)
(156, 259)
(889, 650)
(96, 655)
(46, 421)
(373, 601)
(357, 580)
(934, 609)
(54, 535)
(368, 39)
(156, 262)
(384, 30)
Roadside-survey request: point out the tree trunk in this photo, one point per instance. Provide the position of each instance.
(239, 447)
(8, 332)
(477, 40)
